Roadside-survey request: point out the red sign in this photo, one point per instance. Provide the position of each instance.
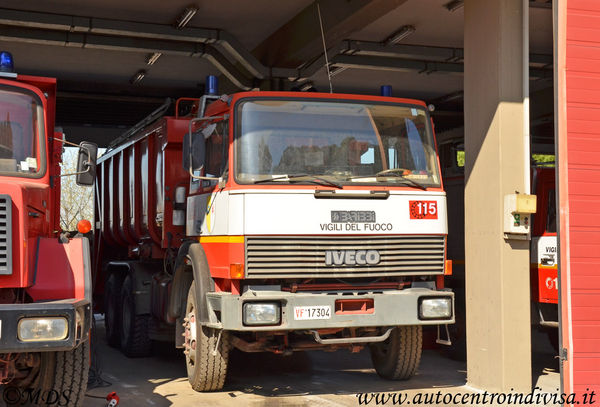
(423, 209)
(548, 284)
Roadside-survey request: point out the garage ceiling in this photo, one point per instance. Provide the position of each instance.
(95, 63)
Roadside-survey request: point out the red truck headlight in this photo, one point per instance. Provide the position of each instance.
(42, 329)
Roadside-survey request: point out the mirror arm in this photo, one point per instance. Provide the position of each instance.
(202, 178)
(66, 142)
(77, 173)
(87, 163)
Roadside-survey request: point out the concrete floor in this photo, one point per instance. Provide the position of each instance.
(303, 379)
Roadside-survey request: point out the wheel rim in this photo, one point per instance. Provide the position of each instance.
(190, 342)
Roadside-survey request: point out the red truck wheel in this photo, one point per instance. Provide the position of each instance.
(398, 357)
(206, 371)
(112, 315)
(64, 375)
(135, 341)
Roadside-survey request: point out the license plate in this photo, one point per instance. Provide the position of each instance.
(312, 312)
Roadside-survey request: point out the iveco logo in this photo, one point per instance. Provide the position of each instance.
(351, 257)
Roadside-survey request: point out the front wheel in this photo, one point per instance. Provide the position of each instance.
(398, 357)
(206, 350)
(61, 378)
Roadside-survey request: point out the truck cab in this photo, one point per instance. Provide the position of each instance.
(45, 279)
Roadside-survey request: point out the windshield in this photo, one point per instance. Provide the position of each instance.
(344, 142)
(21, 131)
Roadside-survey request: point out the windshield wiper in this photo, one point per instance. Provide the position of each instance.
(399, 174)
(295, 178)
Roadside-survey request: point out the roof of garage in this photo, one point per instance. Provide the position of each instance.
(96, 49)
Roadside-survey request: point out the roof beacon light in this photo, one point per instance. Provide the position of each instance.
(386, 90)
(212, 85)
(6, 62)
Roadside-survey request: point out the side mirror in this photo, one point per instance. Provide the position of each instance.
(194, 149)
(86, 163)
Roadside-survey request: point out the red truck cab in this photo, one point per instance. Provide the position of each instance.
(45, 283)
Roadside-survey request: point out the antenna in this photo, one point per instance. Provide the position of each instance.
(325, 49)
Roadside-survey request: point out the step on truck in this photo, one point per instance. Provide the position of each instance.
(274, 222)
(45, 273)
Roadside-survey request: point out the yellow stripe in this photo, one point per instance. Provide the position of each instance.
(221, 239)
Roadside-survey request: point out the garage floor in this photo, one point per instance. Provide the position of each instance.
(303, 379)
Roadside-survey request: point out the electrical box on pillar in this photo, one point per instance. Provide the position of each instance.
(517, 215)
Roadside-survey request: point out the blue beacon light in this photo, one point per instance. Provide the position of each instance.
(386, 90)
(6, 62)
(212, 85)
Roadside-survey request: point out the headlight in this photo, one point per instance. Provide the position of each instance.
(261, 313)
(42, 329)
(435, 308)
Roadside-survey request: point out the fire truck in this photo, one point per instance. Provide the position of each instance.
(544, 277)
(544, 254)
(45, 274)
(274, 222)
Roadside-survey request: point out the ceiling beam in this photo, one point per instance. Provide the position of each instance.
(127, 44)
(222, 40)
(299, 40)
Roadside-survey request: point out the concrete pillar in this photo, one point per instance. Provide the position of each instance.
(497, 163)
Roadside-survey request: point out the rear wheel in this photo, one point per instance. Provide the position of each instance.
(112, 315)
(135, 341)
(206, 350)
(398, 357)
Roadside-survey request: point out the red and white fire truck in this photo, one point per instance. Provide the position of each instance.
(274, 221)
(544, 254)
(45, 274)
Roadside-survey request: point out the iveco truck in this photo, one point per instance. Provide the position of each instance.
(274, 222)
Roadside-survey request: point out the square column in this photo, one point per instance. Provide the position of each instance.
(497, 164)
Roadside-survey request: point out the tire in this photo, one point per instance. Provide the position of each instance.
(61, 378)
(135, 341)
(398, 357)
(206, 372)
(112, 317)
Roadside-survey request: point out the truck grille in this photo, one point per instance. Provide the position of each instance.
(304, 256)
(5, 235)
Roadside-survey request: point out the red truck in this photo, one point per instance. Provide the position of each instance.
(274, 222)
(544, 254)
(544, 281)
(45, 274)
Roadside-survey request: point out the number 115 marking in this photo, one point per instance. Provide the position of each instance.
(423, 209)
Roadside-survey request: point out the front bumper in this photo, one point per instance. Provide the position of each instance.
(391, 308)
(78, 327)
